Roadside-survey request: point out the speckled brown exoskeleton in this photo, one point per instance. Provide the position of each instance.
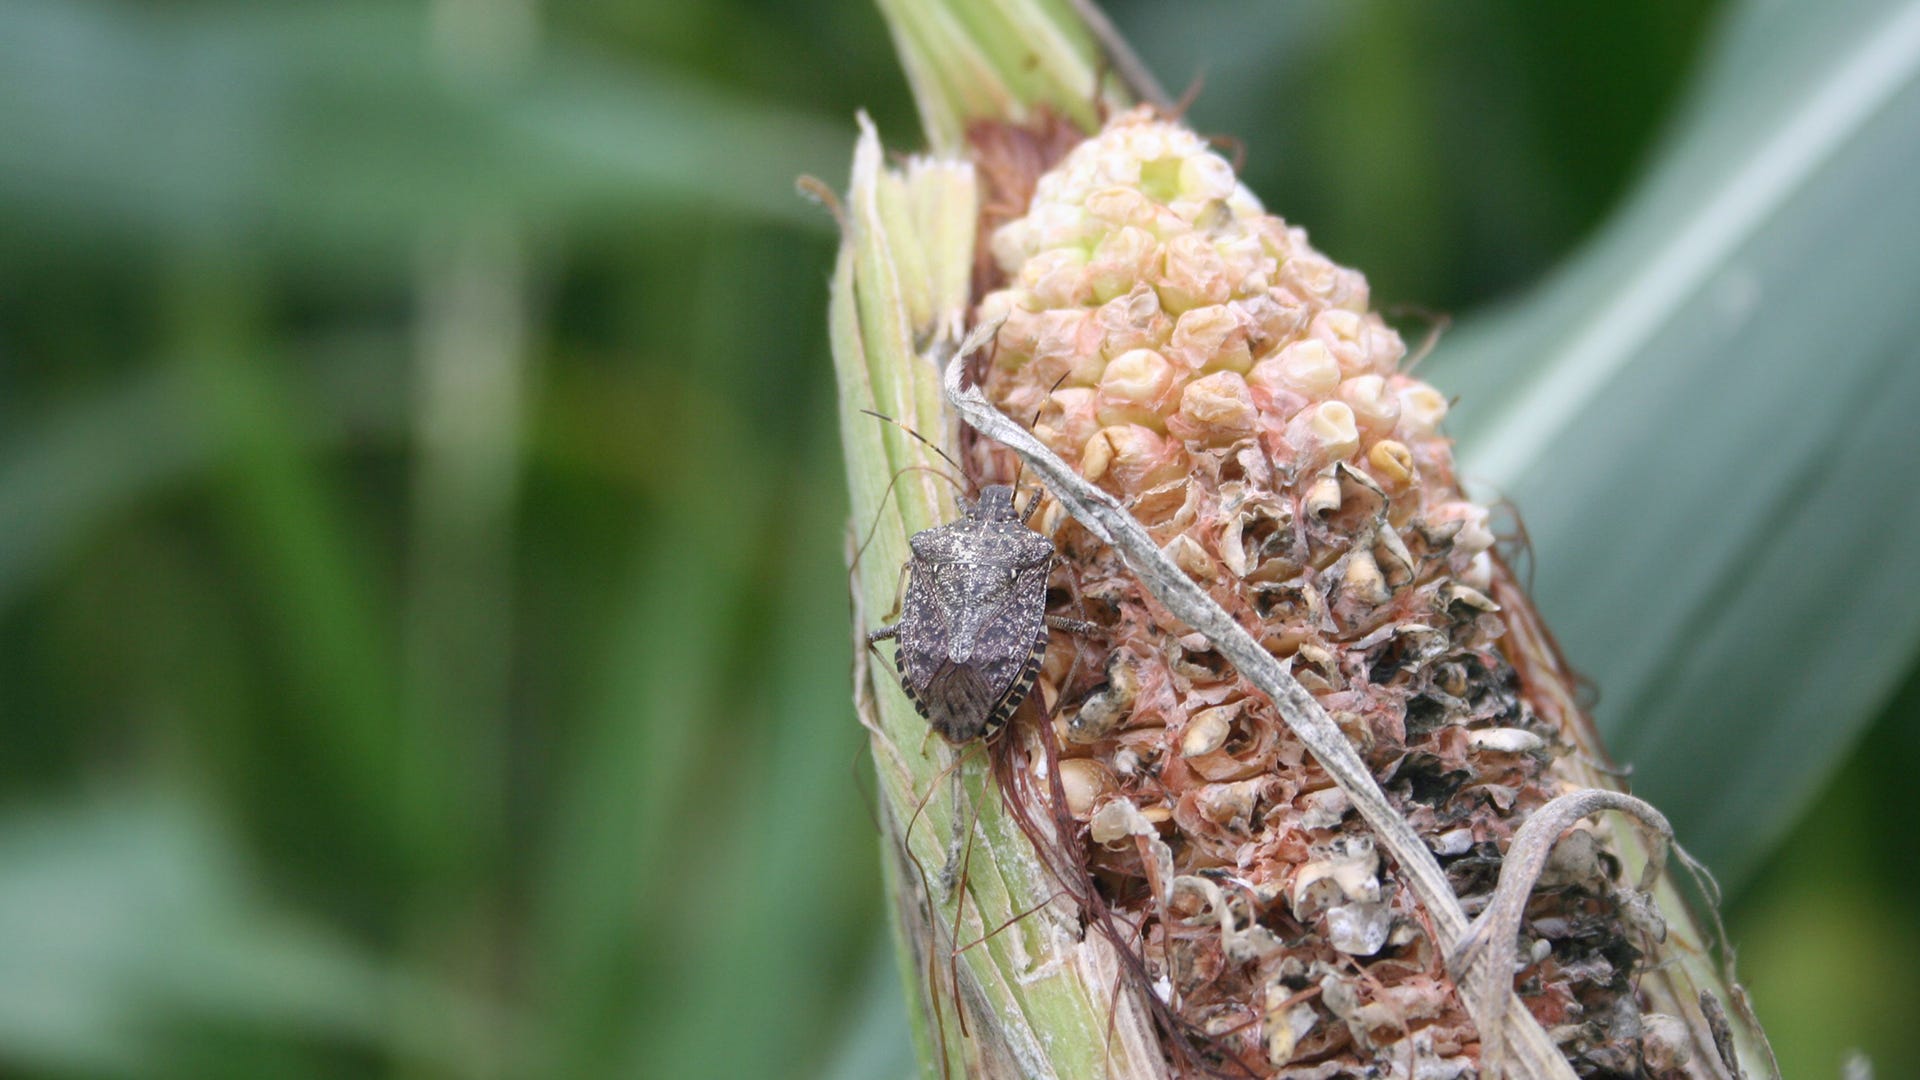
(974, 624)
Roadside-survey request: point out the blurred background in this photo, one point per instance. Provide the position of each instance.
(423, 618)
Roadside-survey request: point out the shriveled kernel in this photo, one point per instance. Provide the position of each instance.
(1309, 273)
(1322, 498)
(1392, 464)
(1186, 553)
(1076, 422)
(1375, 409)
(1084, 781)
(1108, 707)
(1133, 321)
(1057, 278)
(1207, 731)
(1193, 274)
(1210, 338)
(1140, 457)
(1363, 583)
(1228, 803)
(1219, 405)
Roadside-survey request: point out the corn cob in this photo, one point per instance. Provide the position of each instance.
(1197, 358)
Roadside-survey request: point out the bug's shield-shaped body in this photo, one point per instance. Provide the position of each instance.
(974, 624)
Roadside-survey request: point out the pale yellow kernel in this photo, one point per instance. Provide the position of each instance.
(1084, 781)
(1097, 455)
(1304, 367)
(1375, 408)
(1137, 377)
(1207, 731)
(1421, 409)
(1322, 498)
(1325, 432)
(1206, 176)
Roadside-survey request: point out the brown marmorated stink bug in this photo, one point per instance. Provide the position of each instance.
(974, 624)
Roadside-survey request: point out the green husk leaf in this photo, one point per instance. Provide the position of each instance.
(1036, 997)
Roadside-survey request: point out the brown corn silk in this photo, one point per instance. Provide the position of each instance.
(1198, 359)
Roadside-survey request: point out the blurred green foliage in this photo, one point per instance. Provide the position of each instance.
(423, 643)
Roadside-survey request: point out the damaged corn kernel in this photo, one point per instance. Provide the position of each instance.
(1229, 384)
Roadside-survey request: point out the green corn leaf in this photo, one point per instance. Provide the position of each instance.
(1706, 419)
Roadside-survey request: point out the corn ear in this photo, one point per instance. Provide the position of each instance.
(1199, 360)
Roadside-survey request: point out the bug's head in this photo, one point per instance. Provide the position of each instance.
(995, 504)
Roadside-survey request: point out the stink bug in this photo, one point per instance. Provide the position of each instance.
(974, 624)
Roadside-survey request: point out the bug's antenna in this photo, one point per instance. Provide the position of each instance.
(1021, 468)
(924, 441)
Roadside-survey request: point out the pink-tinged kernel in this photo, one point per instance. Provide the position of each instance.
(1120, 260)
(1072, 419)
(1216, 409)
(1305, 368)
(1210, 338)
(1385, 350)
(1133, 321)
(1344, 334)
(1192, 274)
(1057, 278)
(1272, 319)
(1309, 273)
(1136, 377)
(1323, 433)
(1474, 535)
(1135, 458)
(1121, 207)
(1375, 408)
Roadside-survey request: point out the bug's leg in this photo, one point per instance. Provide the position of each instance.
(948, 881)
(957, 796)
(926, 891)
(875, 637)
(1071, 626)
(1033, 504)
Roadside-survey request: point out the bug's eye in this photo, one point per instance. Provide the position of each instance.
(1013, 576)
